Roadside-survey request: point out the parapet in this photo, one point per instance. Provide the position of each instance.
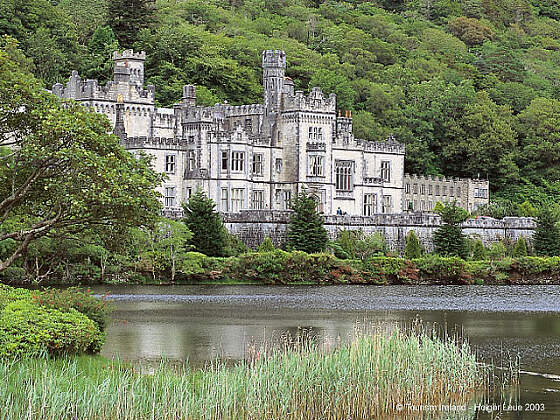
(314, 102)
(129, 55)
(274, 58)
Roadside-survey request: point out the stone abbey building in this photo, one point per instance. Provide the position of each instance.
(254, 156)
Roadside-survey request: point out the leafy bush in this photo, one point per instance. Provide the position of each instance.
(73, 298)
(11, 294)
(266, 245)
(413, 247)
(30, 330)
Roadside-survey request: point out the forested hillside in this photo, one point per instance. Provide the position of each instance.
(470, 86)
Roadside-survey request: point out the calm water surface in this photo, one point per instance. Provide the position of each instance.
(202, 323)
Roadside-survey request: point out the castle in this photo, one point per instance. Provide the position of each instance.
(250, 156)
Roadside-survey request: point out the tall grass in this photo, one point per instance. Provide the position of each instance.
(364, 379)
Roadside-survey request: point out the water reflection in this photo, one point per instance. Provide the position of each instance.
(202, 323)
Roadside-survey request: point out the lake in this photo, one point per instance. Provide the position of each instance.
(203, 323)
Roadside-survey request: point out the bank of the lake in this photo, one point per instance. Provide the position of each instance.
(298, 268)
(282, 268)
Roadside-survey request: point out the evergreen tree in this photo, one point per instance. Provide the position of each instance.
(127, 17)
(546, 238)
(479, 252)
(413, 247)
(448, 238)
(266, 245)
(206, 225)
(520, 248)
(305, 229)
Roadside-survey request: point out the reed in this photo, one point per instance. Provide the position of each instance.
(366, 378)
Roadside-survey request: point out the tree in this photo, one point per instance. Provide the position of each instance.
(479, 252)
(209, 233)
(305, 229)
(470, 30)
(266, 245)
(128, 17)
(448, 238)
(62, 172)
(413, 247)
(546, 239)
(520, 248)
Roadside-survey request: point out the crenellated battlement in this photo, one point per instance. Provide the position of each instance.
(274, 58)
(389, 146)
(163, 142)
(442, 179)
(314, 102)
(129, 55)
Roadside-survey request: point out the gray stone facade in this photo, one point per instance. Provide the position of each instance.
(253, 226)
(421, 193)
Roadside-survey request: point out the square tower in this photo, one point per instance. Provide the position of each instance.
(134, 62)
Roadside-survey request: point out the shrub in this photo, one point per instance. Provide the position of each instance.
(497, 251)
(520, 248)
(30, 330)
(73, 298)
(413, 247)
(11, 294)
(266, 245)
(479, 252)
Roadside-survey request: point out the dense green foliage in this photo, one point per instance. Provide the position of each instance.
(50, 322)
(546, 239)
(469, 86)
(520, 249)
(281, 267)
(305, 228)
(208, 230)
(449, 238)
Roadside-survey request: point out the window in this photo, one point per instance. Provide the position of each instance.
(415, 188)
(287, 199)
(188, 193)
(422, 189)
(191, 160)
(225, 162)
(316, 165)
(437, 189)
(451, 191)
(237, 199)
(445, 190)
(458, 191)
(238, 161)
(476, 194)
(386, 207)
(224, 199)
(170, 197)
(422, 205)
(170, 161)
(283, 198)
(315, 133)
(386, 171)
(191, 139)
(258, 200)
(278, 165)
(248, 125)
(370, 204)
(344, 175)
(257, 164)
(407, 188)
(430, 190)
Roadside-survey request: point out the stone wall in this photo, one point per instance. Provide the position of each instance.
(252, 226)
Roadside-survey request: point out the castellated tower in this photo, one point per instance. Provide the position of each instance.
(134, 62)
(274, 65)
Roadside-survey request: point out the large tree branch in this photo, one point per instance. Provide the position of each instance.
(7, 204)
(16, 254)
